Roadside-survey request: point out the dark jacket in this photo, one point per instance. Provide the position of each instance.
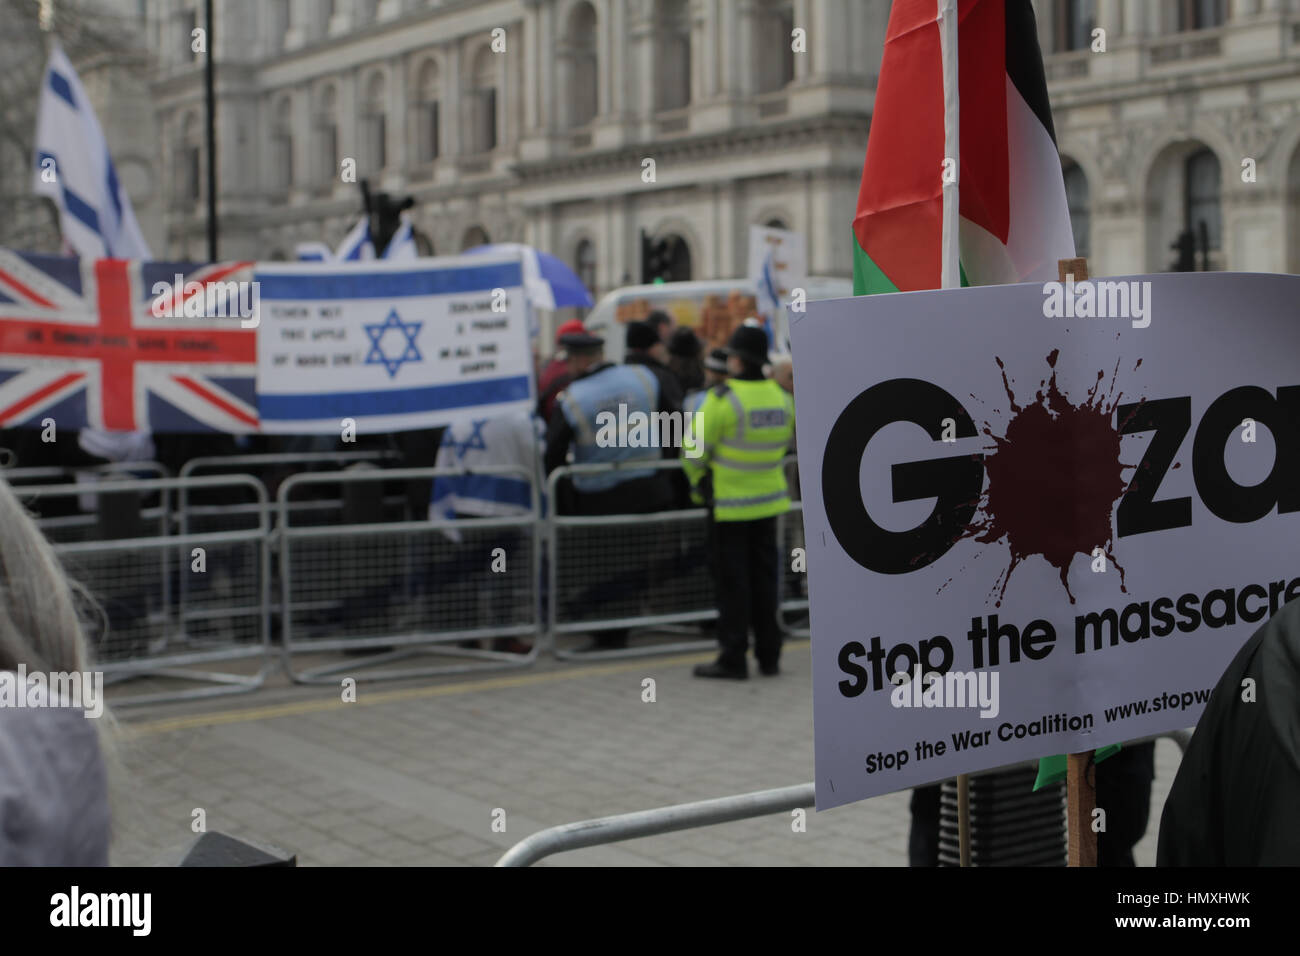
(1234, 801)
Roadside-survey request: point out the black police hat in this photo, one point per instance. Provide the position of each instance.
(749, 343)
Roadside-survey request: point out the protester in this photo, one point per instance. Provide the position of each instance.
(643, 348)
(663, 325)
(555, 376)
(748, 422)
(509, 443)
(684, 359)
(715, 373)
(598, 387)
(1234, 800)
(54, 808)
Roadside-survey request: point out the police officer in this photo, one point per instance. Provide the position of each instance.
(747, 424)
(715, 373)
(599, 387)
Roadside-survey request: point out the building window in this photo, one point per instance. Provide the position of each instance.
(483, 103)
(774, 22)
(188, 183)
(579, 64)
(190, 23)
(474, 236)
(673, 80)
(427, 115)
(584, 261)
(1202, 200)
(1200, 14)
(327, 137)
(1075, 20)
(279, 26)
(1076, 200)
(375, 124)
(282, 143)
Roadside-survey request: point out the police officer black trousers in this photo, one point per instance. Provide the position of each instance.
(746, 568)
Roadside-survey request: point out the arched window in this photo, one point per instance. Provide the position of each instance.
(327, 136)
(1076, 199)
(374, 124)
(474, 236)
(282, 144)
(773, 24)
(1199, 14)
(584, 264)
(482, 99)
(1203, 186)
(776, 222)
(578, 57)
(673, 77)
(428, 95)
(1074, 21)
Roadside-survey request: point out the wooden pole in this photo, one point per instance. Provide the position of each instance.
(1080, 786)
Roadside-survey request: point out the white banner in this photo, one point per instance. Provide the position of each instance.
(391, 345)
(1073, 504)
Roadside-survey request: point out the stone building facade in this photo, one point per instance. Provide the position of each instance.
(534, 121)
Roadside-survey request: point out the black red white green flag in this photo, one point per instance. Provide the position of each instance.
(1014, 223)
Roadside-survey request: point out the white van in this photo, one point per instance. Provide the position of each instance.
(712, 307)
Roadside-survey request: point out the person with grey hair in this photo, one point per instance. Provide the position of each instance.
(54, 808)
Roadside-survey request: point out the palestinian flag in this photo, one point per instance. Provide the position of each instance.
(1014, 222)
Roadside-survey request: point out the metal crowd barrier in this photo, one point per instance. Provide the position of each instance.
(253, 464)
(610, 572)
(406, 587)
(131, 566)
(702, 813)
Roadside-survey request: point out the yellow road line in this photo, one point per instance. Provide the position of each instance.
(216, 718)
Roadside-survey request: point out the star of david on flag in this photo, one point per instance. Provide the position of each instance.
(407, 330)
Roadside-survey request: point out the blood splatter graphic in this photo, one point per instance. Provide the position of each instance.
(1053, 479)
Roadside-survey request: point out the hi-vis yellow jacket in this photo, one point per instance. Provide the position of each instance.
(744, 429)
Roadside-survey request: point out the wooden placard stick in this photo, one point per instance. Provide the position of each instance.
(1080, 789)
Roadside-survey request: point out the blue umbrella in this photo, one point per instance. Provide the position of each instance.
(548, 282)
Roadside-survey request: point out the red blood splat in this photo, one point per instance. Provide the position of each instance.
(1053, 479)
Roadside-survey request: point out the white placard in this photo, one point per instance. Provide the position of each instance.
(942, 502)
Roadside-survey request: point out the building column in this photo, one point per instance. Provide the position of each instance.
(1109, 18)
(546, 70)
(803, 64)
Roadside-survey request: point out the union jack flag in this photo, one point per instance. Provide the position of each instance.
(80, 343)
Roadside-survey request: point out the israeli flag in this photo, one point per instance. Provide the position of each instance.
(357, 244)
(74, 169)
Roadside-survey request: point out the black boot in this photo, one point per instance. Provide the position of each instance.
(718, 669)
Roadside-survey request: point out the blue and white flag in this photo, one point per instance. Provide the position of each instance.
(74, 169)
(392, 346)
(358, 245)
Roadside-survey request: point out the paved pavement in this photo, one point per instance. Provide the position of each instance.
(411, 773)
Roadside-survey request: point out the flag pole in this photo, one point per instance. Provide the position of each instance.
(209, 95)
(950, 274)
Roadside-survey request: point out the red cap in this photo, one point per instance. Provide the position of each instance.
(572, 327)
